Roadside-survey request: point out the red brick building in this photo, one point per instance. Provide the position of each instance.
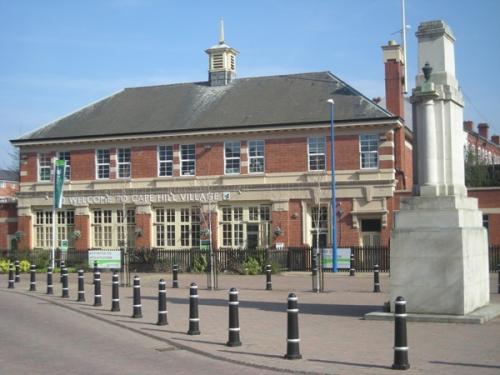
(9, 185)
(247, 158)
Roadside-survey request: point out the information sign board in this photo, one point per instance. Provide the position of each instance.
(110, 259)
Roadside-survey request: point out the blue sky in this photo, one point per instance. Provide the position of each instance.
(59, 56)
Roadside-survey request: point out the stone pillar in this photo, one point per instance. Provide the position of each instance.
(82, 224)
(429, 147)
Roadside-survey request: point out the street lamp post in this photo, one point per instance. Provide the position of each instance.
(334, 199)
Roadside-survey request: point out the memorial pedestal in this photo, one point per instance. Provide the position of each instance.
(439, 256)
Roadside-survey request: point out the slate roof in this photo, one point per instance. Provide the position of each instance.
(246, 102)
(6, 175)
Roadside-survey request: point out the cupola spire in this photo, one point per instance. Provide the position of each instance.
(221, 61)
(221, 35)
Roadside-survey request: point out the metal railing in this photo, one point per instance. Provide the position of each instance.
(225, 259)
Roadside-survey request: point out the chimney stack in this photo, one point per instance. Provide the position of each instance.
(469, 126)
(482, 129)
(394, 100)
(495, 139)
(394, 78)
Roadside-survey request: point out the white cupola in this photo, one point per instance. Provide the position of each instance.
(221, 61)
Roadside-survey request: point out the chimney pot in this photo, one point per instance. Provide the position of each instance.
(495, 139)
(483, 129)
(469, 126)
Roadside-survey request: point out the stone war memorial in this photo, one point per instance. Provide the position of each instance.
(439, 248)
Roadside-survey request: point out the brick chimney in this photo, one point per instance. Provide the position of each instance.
(482, 129)
(469, 126)
(394, 98)
(394, 78)
(495, 139)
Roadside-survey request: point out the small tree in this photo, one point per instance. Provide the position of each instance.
(480, 171)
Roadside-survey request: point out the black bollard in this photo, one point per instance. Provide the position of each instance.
(292, 337)
(33, 278)
(50, 285)
(269, 283)
(97, 289)
(162, 303)
(95, 271)
(498, 269)
(352, 270)
(81, 286)
(65, 289)
(314, 266)
(376, 279)
(62, 265)
(18, 272)
(175, 276)
(234, 321)
(400, 340)
(115, 292)
(11, 276)
(137, 298)
(194, 320)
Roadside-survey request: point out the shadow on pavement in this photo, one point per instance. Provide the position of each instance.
(349, 363)
(464, 364)
(255, 354)
(305, 308)
(199, 341)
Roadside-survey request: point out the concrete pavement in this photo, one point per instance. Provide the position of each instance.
(334, 338)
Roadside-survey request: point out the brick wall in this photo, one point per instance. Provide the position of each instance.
(286, 155)
(346, 152)
(209, 159)
(9, 190)
(143, 221)
(28, 167)
(24, 225)
(281, 155)
(144, 161)
(346, 234)
(8, 223)
(82, 223)
(489, 200)
(81, 158)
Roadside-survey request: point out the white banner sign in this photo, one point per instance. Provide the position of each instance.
(110, 259)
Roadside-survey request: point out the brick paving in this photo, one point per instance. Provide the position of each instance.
(334, 338)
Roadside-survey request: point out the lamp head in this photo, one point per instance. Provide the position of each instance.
(331, 101)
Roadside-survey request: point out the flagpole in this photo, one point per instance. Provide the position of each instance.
(53, 234)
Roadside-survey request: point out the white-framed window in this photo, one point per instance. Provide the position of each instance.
(65, 225)
(112, 228)
(123, 162)
(245, 225)
(165, 161)
(66, 156)
(188, 160)
(177, 227)
(368, 150)
(232, 156)
(316, 153)
(102, 164)
(44, 166)
(256, 156)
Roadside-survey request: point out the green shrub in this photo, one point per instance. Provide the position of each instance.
(43, 260)
(251, 266)
(24, 266)
(200, 263)
(4, 265)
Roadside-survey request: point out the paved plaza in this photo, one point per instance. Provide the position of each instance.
(334, 337)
